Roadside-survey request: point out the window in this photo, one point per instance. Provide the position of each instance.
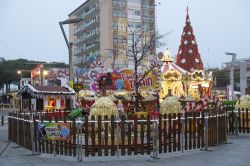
(134, 24)
(86, 10)
(134, 12)
(119, 12)
(137, 12)
(134, 1)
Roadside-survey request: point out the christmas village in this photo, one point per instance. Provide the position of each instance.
(168, 87)
(120, 96)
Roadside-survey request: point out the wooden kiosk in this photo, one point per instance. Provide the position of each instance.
(46, 98)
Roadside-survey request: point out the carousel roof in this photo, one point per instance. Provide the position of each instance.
(46, 90)
(168, 64)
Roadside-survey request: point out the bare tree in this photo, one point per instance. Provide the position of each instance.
(143, 53)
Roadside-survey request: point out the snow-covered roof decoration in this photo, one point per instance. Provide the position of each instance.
(37, 91)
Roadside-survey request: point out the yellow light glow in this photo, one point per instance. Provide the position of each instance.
(19, 72)
(194, 86)
(206, 85)
(45, 72)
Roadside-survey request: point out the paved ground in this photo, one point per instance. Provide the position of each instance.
(4, 112)
(235, 154)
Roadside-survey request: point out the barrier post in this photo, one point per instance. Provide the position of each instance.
(236, 122)
(24, 131)
(155, 136)
(53, 139)
(225, 131)
(12, 126)
(182, 131)
(118, 133)
(217, 128)
(17, 126)
(82, 122)
(206, 133)
(32, 133)
(79, 124)
(2, 120)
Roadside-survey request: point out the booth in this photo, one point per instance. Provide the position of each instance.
(46, 98)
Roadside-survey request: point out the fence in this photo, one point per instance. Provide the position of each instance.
(4, 106)
(238, 120)
(118, 136)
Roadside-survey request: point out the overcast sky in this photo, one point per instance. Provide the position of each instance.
(29, 28)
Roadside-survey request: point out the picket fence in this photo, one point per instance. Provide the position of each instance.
(238, 120)
(118, 136)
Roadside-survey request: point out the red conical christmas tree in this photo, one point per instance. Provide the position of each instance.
(188, 56)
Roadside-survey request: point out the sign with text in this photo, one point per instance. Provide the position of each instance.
(53, 131)
(128, 78)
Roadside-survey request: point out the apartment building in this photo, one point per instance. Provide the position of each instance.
(106, 29)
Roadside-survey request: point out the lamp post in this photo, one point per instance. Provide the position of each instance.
(20, 72)
(45, 73)
(232, 73)
(69, 44)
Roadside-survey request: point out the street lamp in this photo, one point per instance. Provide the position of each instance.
(20, 72)
(44, 74)
(69, 44)
(232, 73)
(20, 82)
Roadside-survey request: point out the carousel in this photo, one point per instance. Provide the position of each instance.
(176, 81)
(171, 76)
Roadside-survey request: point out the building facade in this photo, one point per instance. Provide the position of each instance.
(242, 67)
(105, 31)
